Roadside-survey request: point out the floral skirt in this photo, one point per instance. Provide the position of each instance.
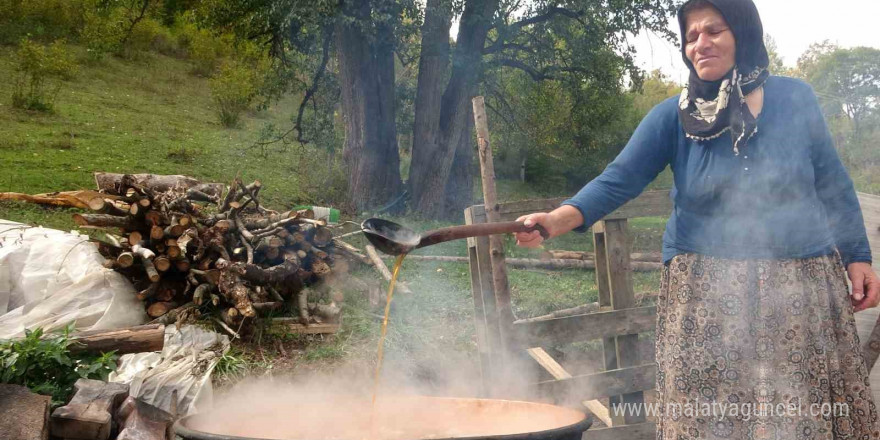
(760, 349)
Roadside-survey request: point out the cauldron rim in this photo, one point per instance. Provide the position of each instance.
(180, 428)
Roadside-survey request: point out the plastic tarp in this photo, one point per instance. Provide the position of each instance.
(184, 365)
(51, 278)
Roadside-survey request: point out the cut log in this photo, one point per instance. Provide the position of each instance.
(152, 273)
(125, 259)
(76, 199)
(267, 306)
(172, 251)
(149, 292)
(135, 238)
(138, 339)
(351, 251)
(160, 308)
(302, 306)
(383, 269)
(182, 265)
(530, 263)
(233, 289)
(110, 182)
(105, 221)
(276, 274)
(162, 264)
(322, 237)
(174, 231)
(154, 218)
(202, 292)
(647, 257)
(139, 420)
(142, 252)
(182, 312)
(99, 205)
(574, 311)
(88, 416)
(157, 232)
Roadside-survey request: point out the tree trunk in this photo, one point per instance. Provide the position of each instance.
(366, 71)
(430, 185)
(460, 185)
(433, 75)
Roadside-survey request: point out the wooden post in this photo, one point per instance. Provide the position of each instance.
(622, 297)
(609, 345)
(486, 329)
(496, 244)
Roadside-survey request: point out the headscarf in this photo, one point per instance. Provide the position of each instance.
(707, 109)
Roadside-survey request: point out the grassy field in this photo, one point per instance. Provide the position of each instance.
(153, 116)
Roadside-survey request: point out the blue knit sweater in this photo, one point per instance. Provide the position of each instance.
(786, 195)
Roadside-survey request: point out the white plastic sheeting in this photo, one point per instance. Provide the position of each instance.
(185, 365)
(51, 278)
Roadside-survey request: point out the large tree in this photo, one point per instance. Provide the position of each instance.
(847, 81)
(549, 40)
(580, 44)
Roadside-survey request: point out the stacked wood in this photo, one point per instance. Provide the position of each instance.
(238, 262)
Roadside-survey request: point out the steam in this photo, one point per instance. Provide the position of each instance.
(335, 408)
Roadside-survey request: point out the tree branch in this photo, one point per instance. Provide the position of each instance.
(325, 58)
(499, 46)
(550, 13)
(536, 74)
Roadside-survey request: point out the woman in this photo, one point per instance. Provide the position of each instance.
(754, 307)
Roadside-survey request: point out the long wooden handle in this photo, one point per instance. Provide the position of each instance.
(479, 230)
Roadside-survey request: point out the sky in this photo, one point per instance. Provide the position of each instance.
(794, 24)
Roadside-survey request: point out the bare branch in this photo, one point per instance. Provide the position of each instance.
(325, 58)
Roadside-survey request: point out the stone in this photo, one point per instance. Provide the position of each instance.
(23, 414)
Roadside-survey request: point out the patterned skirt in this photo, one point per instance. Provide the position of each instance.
(760, 349)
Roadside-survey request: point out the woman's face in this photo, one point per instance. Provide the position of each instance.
(709, 43)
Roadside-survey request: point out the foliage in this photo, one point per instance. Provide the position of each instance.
(238, 83)
(44, 364)
(565, 136)
(40, 70)
(848, 82)
(43, 20)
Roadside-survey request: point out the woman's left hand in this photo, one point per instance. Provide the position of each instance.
(865, 286)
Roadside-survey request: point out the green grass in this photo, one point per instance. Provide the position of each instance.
(149, 115)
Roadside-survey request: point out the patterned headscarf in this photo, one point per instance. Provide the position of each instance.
(707, 109)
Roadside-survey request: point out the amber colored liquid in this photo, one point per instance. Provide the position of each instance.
(394, 273)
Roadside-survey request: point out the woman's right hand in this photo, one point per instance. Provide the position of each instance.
(561, 220)
(533, 239)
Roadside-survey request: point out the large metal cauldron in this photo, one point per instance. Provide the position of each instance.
(404, 418)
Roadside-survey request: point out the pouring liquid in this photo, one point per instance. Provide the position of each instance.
(394, 272)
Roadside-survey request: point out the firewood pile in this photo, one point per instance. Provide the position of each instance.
(238, 261)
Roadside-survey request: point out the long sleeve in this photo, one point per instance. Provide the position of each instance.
(835, 190)
(647, 153)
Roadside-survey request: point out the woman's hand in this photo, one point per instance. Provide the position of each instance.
(533, 239)
(865, 286)
(561, 220)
